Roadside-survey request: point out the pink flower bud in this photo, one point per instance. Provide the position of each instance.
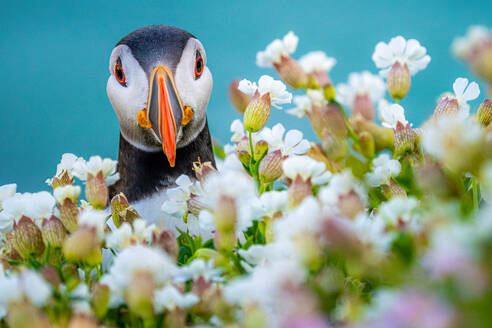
(51, 275)
(140, 294)
(270, 168)
(321, 78)
(446, 106)
(484, 113)
(404, 139)
(96, 190)
(328, 118)
(166, 240)
(298, 190)
(291, 72)
(239, 99)
(53, 232)
(363, 106)
(350, 204)
(69, 214)
(28, 238)
(398, 81)
(195, 206)
(257, 112)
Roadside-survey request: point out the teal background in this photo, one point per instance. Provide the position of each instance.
(54, 62)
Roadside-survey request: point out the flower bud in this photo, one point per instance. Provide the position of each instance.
(140, 294)
(484, 113)
(393, 189)
(291, 72)
(367, 144)
(100, 300)
(166, 240)
(321, 78)
(481, 62)
(446, 106)
(28, 239)
(175, 318)
(25, 315)
(68, 191)
(257, 112)
(316, 153)
(270, 168)
(82, 321)
(202, 170)
(119, 204)
(335, 148)
(9, 251)
(63, 180)
(398, 81)
(363, 106)
(350, 204)
(239, 99)
(383, 137)
(225, 221)
(51, 275)
(298, 190)
(328, 118)
(195, 205)
(53, 232)
(404, 139)
(261, 148)
(96, 190)
(69, 214)
(244, 157)
(70, 275)
(83, 246)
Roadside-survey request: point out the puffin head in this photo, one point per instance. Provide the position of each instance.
(159, 88)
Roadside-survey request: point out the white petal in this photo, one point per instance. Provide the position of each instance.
(472, 92)
(292, 138)
(459, 86)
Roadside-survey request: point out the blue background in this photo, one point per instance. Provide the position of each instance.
(54, 62)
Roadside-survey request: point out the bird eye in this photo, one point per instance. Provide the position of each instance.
(198, 65)
(118, 72)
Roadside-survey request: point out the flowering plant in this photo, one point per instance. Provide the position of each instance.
(373, 225)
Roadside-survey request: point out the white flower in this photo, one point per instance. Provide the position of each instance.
(66, 165)
(68, 191)
(266, 84)
(169, 298)
(235, 184)
(464, 92)
(260, 254)
(291, 225)
(399, 210)
(364, 83)
(304, 104)
(94, 219)
(237, 128)
(7, 191)
(341, 184)
(293, 144)
(37, 206)
(198, 268)
(400, 50)
(94, 165)
(137, 258)
(391, 115)
(270, 203)
(80, 299)
(383, 170)
(476, 36)
(275, 50)
(449, 137)
(317, 61)
(28, 284)
(372, 232)
(306, 168)
(178, 197)
(127, 234)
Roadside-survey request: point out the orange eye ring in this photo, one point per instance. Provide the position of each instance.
(199, 66)
(119, 73)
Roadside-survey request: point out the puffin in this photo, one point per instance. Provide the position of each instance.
(159, 87)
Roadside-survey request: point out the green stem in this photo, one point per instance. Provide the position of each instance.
(251, 147)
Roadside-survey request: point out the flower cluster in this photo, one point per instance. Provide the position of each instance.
(378, 223)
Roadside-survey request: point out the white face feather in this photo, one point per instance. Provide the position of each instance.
(128, 100)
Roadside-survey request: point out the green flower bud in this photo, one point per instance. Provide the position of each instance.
(69, 214)
(398, 81)
(367, 144)
(270, 168)
(260, 149)
(484, 113)
(257, 113)
(100, 300)
(140, 293)
(53, 232)
(404, 139)
(83, 246)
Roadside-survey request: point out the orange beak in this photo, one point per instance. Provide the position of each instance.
(164, 109)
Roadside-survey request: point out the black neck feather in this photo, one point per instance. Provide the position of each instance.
(144, 173)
